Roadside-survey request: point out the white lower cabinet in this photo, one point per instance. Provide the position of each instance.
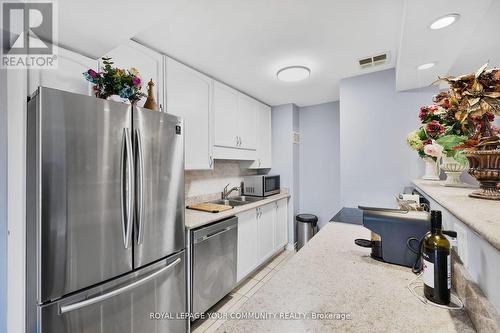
(247, 258)
(262, 232)
(266, 218)
(281, 231)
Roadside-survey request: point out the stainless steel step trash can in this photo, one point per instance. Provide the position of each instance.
(306, 228)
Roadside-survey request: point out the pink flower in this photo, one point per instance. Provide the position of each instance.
(92, 73)
(136, 81)
(434, 149)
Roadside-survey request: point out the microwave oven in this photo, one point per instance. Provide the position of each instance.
(261, 185)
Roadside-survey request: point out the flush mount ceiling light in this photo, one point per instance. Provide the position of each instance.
(293, 73)
(426, 66)
(444, 21)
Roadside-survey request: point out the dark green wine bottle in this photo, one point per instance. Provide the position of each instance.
(437, 262)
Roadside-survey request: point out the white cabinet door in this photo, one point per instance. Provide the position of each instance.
(67, 76)
(266, 221)
(247, 122)
(189, 95)
(226, 116)
(281, 230)
(264, 139)
(247, 257)
(148, 62)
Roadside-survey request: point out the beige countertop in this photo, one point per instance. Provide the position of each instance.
(194, 219)
(331, 274)
(482, 216)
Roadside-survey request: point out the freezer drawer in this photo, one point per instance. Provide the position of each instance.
(124, 305)
(214, 263)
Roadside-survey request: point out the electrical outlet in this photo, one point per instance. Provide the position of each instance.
(461, 243)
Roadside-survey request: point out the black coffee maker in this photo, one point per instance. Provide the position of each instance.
(392, 231)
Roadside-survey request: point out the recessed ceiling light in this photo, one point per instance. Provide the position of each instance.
(293, 73)
(426, 66)
(444, 21)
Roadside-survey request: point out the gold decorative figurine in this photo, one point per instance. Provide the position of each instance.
(150, 101)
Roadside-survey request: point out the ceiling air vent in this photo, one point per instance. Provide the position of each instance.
(375, 60)
(367, 62)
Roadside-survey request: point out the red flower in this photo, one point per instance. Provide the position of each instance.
(423, 113)
(442, 99)
(425, 110)
(434, 128)
(491, 117)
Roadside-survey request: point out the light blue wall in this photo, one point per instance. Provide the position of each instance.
(320, 160)
(374, 121)
(3, 201)
(296, 163)
(285, 157)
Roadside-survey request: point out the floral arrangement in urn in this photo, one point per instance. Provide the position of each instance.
(458, 129)
(112, 82)
(476, 97)
(438, 136)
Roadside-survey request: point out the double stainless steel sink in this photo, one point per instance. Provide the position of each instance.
(237, 201)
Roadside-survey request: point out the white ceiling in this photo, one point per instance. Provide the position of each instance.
(94, 27)
(419, 44)
(245, 42)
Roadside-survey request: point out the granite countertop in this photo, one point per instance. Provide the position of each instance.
(331, 274)
(482, 216)
(194, 218)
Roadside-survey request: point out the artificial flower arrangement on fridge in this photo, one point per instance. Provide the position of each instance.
(116, 84)
(457, 131)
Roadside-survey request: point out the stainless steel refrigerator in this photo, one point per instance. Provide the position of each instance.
(105, 217)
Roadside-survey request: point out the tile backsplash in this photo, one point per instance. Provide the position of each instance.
(201, 182)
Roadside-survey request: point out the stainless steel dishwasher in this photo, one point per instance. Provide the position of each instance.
(214, 251)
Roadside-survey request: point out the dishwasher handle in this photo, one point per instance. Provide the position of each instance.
(214, 234)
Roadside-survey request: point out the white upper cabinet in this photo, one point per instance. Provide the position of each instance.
(148, 62)
(235, 124)
(189, 95)
(226, 116)
(247, 122)
(67, 76)
(264, 139)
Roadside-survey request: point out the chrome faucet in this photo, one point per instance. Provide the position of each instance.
(225, 193)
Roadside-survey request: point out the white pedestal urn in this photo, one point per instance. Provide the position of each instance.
(453, 170)
(431, 169)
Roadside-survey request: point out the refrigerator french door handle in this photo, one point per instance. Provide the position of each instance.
(75, 306)
(140, 187)
(130, 192)
(123, 205)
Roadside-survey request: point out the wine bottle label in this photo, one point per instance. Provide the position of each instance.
(428, 273)
(434, 265)
(448, 258)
